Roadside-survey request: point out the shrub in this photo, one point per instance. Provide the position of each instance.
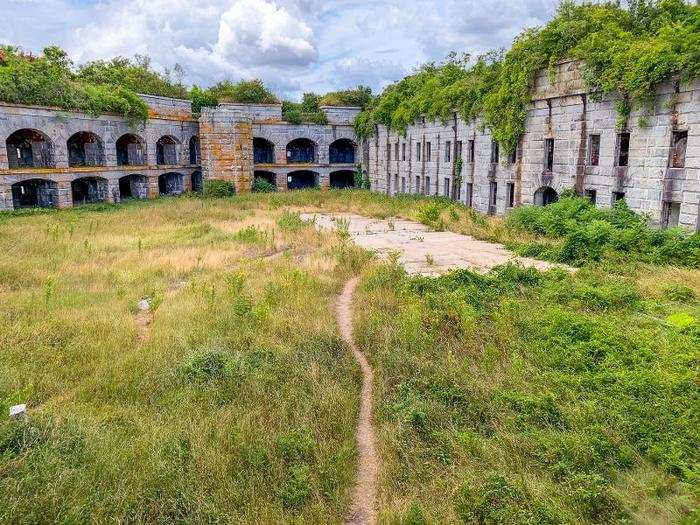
(261, 185)
(679, 293)
(291, 221)
(207, 366)
(218, 188)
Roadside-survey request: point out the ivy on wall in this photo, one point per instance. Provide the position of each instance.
(626, 51)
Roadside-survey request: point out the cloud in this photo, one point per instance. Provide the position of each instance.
(256, 32)
(293, 45)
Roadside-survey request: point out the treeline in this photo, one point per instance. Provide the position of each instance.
(97, 87)
(626, 51)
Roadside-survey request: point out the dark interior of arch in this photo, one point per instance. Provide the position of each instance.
(166, 151)
(546, 195)
(85, 149)
(301, 179)
(197, 181)
(265, 175)
(342, 152)
(27, 148)
(194, 151)
(300, 151)
(342, 179)
(130, 151)
(34, 193)
(88, 190)
(263, 151)
(133, 187)
(171, 184)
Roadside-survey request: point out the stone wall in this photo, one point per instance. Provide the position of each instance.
(343, 116)
(57, 126)
(563, 112)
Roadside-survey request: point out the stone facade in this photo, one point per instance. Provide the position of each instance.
(570, 141)
(43, 163)
(232, 135)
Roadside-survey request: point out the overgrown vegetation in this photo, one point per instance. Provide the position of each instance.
(48, 80)
(245, 91)
(218, 188)
(590, 234)
(627, 52)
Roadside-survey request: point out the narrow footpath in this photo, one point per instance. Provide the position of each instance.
(363, 508)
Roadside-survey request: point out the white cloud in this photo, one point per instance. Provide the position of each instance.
(256, 32)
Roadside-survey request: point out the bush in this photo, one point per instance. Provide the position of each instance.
(208, 366)
(261, 185)
(218, 188)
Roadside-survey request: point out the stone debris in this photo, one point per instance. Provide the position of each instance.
(144, 305)
(18, 411)
(421, 250)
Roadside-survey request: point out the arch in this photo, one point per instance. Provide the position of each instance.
(301, 151)
(131, 150)
(546, 195)
(268, 177)
(87, 190)
(194, 150)
(301, 179)
(171, 183)
(34, 193)
(342, 179)
(134, 186)
(85, 149)
(166, 150)
(342, 151)
(263, 151)
(197, 181)
(29, 148)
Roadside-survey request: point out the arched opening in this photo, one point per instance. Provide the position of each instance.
(133, 186)
(29, 148)
(342, 151)
(194, 151)
(85, 149)
(545, 195)
(87, 190)
(342, 179)
(166, 151)
(297, 180)
(171, 184)
(264, 181)
(263, 151)
(301, 151)
(197, 181)
(131, 150)
(34, 193)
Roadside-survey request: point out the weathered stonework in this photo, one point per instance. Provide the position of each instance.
(564, 112)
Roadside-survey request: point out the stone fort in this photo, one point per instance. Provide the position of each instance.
(572, 140)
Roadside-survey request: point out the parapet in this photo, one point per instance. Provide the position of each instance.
(341, 115)
(167, 107)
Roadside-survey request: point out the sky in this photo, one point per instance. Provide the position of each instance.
(294, 46)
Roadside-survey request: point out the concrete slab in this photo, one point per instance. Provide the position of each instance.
(421, 250)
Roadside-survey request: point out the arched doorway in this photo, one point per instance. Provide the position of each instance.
(264, 181)
(197, 181)
(301, 151)
(88, 190)
(166, 151)
(263, 151)
(297, 180)
(29, 148)
(545, 195)
(133, 186)
(131, 150)
(85, 149)
(34, 193)
(342, 151)
(194, 151)
(171, 184)
(342, 179)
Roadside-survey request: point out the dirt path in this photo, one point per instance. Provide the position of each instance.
(363, 509)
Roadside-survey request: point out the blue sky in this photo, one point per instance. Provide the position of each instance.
(293, 45)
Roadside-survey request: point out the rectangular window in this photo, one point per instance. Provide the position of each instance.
(493, 193)
(428, 152)
(617, 196)
(446, 188)
(548, 154)
(472, 151)
(594, 150)
(396, 183)
(510, 194)
(671, 214)
(403, 151)
(678, 147)
(396, 151)
(494, 152)
(388, 153)
(417, 150)
(513, 157)
(417, 185)
(403, 184)
(468, 196)
(458, 154)
(623, 149)
(448, 152)
(591, 195)
(427, 186)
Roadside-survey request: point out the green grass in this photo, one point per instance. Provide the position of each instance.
(515, 397)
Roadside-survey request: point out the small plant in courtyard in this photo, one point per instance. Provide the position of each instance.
(218, 188)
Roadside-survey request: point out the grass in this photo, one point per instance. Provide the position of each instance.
(515, 397)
